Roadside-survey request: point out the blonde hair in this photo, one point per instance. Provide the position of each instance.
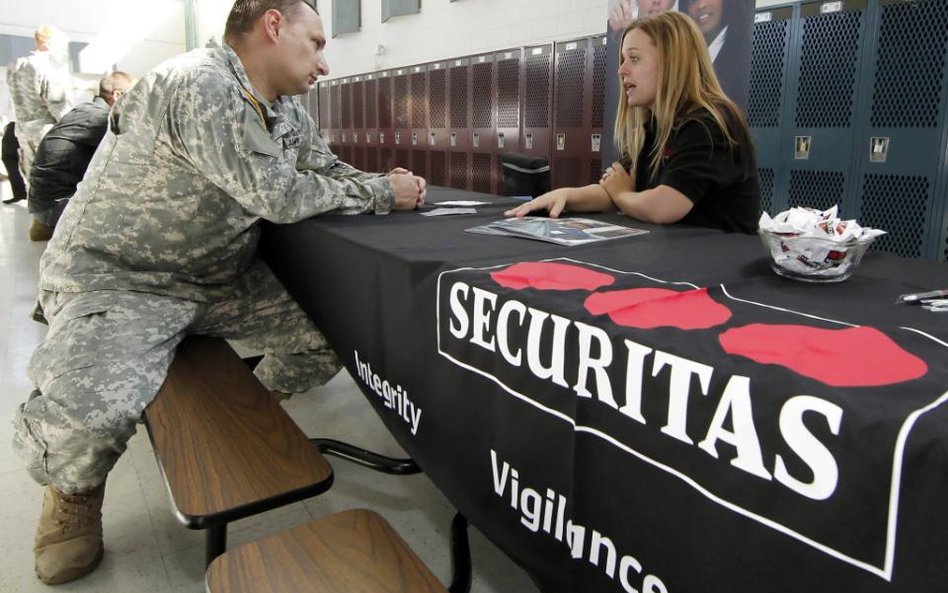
(45, 35)
(686, 84)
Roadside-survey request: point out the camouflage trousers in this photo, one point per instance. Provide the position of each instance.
(107, 354)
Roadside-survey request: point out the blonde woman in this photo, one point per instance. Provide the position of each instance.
(686, 152)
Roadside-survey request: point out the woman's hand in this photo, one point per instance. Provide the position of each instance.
(616, 180)
(554, 202)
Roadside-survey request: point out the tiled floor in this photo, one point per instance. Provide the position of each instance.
(146, 550)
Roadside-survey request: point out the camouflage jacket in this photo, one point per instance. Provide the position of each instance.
(172, 200)
(39, 89)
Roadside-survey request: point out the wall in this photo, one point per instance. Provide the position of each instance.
(134, 36)
(441, 30)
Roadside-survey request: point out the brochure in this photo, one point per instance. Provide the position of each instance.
(562, 231)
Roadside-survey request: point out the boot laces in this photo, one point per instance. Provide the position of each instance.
(74, 512)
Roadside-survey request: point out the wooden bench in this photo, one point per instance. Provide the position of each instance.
(355, 550)
(225, 446)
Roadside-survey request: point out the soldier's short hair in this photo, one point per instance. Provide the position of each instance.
(246, 12)
(115, 81)
(45, 34)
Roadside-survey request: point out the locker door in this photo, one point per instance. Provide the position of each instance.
(386, 129)
(437, 141)
(418, 134)
(483, 124)
(358, 122)
(459, 123)
(371, 132)
(766, 106)
(537, 101)
(345, 112)
(509, 89)
(335, 132)
(823, 100)
(324, 121)
(401, 114)
(577, 145)
(900, 143)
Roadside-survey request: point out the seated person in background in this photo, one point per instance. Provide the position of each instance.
(10, 151)
(687, 154)
(160, 241)
(64, 154)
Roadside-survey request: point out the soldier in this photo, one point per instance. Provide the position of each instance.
(40, 86)
(161, 241)
(64, 154)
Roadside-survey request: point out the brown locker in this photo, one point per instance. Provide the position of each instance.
(345, 111)
(358, 122)
(483, 124)
(335, 114)
(537, 100)
(437, 141)
(509, 89)
(385, 136)
(577, 143)
(401, 116)
(324, 118)
(418, 134)
(459, 123)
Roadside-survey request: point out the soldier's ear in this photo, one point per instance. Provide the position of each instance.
(273, 22)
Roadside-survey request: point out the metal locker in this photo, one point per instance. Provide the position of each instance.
(357, 138)
(437, 140)
(537, 100)
(577, 145)
(418, 132)
(401, 116)
(509, 65)
(459, 123)
(595, 164)
(483, 124)
(767, 112)
(335, 116)
(385, 136)
(900, 144)
(325, 126)
(370, 135)
(345, 111)
(826, 73)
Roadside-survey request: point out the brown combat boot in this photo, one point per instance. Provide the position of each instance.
(40, 231)
(69, 535)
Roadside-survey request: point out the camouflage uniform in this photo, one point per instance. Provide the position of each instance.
(160, 241)
(39, 90)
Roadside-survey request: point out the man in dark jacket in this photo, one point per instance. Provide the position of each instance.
(10, 151)
(65, 152)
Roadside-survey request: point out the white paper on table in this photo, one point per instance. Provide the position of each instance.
(461, 203)
(449, 211)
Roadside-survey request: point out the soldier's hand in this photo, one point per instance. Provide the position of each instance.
(408, 194)
(422, 189)
(398, 171)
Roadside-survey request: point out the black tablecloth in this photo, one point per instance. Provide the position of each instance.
(656, 413)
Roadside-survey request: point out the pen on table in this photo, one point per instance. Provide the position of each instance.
(921, 296)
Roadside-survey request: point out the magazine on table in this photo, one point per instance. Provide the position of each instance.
(562, 231)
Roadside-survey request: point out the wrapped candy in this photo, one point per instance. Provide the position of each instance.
(813, 245)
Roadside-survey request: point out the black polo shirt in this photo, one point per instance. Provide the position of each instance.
(720, 178)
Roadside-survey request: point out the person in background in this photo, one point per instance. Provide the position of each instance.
(686, 152)
(623, 11)
(40, 86)
(160, 241)
(64, 154)
(10, 152)
(727, 28)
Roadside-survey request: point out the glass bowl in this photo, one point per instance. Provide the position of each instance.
(813, 259)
